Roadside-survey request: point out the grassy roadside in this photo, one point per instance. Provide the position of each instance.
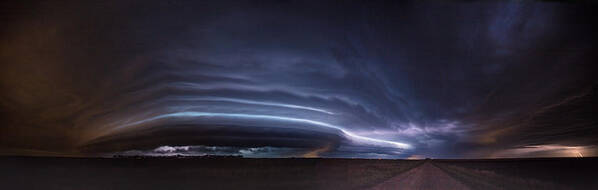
(221, 173)
(486, 179)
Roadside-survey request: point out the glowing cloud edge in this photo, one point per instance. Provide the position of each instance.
(347, 133)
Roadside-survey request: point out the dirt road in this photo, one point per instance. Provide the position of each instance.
(426, 176)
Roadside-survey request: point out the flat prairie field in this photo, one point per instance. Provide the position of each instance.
(295, 173)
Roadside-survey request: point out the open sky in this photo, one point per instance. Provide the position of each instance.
(299, 79)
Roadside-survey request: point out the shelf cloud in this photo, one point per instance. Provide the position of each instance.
(286, 79)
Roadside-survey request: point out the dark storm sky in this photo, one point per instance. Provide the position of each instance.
(287, 78)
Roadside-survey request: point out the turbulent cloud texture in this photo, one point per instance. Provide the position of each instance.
(331, 79)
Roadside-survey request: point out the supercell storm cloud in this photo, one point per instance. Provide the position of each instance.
(281, 79)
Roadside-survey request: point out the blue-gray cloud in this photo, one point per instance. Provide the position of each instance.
(342, 80)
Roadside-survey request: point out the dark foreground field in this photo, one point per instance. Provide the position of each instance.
(539, 173)
(239, 173)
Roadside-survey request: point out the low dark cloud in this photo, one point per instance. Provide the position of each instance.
(253, 152)
(376, 79)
